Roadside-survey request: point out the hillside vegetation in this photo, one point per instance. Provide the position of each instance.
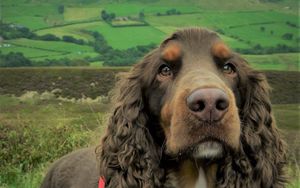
(248, 26)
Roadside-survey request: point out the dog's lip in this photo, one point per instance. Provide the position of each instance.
(208, 149)
(210, 139)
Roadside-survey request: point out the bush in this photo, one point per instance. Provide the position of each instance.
(258, 49)
(13, 31)
(14, 59)
(287, 36)
(71, 39)
(107, 16)
(47, 37)
(61, 9)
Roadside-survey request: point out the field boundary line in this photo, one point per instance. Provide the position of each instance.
(66, 24)
(44, 49)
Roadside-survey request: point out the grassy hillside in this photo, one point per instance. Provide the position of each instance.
(243, 24)
(75, 30)
(283, 61)
(39, 50)
(127, 37)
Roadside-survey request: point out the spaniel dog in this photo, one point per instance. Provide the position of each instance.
(191, 114)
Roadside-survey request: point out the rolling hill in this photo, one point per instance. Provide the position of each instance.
(243, 24)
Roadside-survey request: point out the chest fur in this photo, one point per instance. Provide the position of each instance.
(190, 175)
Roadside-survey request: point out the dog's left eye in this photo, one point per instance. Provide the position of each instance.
(165, 70)
(228, 68)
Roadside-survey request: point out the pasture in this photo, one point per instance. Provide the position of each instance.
(32, 15)
(133, 9)
(38, 50)
(73, 14)
(74, 30)
(283, 61)
(261, 23)
(127, 37)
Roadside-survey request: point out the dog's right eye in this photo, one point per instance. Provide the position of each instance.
(165, 71)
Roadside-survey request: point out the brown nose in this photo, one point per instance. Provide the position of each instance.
(208, 104)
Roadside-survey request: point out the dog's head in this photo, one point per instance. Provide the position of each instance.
(195, 94)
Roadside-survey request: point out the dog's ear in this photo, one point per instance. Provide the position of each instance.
(262, 146)
(128, 156)
(262, 156)
(261, 139)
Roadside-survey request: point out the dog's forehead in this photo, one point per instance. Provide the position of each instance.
(194, 42)
(196, 37)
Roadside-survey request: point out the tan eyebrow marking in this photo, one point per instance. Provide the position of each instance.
(221, 50)
(172, 52)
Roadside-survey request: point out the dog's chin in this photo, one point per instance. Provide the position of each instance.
(208, 150)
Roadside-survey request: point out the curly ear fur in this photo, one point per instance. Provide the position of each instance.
(261, 160)
(127, 155)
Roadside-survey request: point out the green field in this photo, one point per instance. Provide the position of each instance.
(127, 37)
(33, 15)
(244, 23)
(72, 14)
(39, 50)
(286, 61)
(250, 32)
(30, 52)
(124, 10)
(70, 30)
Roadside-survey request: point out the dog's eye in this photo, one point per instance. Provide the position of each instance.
(228, 68)
(165, 70)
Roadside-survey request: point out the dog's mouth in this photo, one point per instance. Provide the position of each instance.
(206, 149)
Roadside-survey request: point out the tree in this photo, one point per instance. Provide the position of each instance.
(61, 9)
(287, 36)
(48, 37)
(112, 16)
(104, 15)
(14, 59)
(141, 15)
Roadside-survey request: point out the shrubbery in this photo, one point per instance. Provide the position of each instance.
(17, 59)
(108, 17)
(287, 36)
(126, 57)
(258, 49)
(169, 12)
(13, 31)
(14, 59)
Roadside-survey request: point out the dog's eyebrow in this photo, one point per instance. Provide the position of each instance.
(221, 50)
(172, 52)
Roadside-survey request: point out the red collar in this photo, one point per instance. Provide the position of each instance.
(101, 183)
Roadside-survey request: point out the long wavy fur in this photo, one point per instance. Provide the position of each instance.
(127, 155)
(262, 157)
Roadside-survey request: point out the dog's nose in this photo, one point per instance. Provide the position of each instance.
(208, 104)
